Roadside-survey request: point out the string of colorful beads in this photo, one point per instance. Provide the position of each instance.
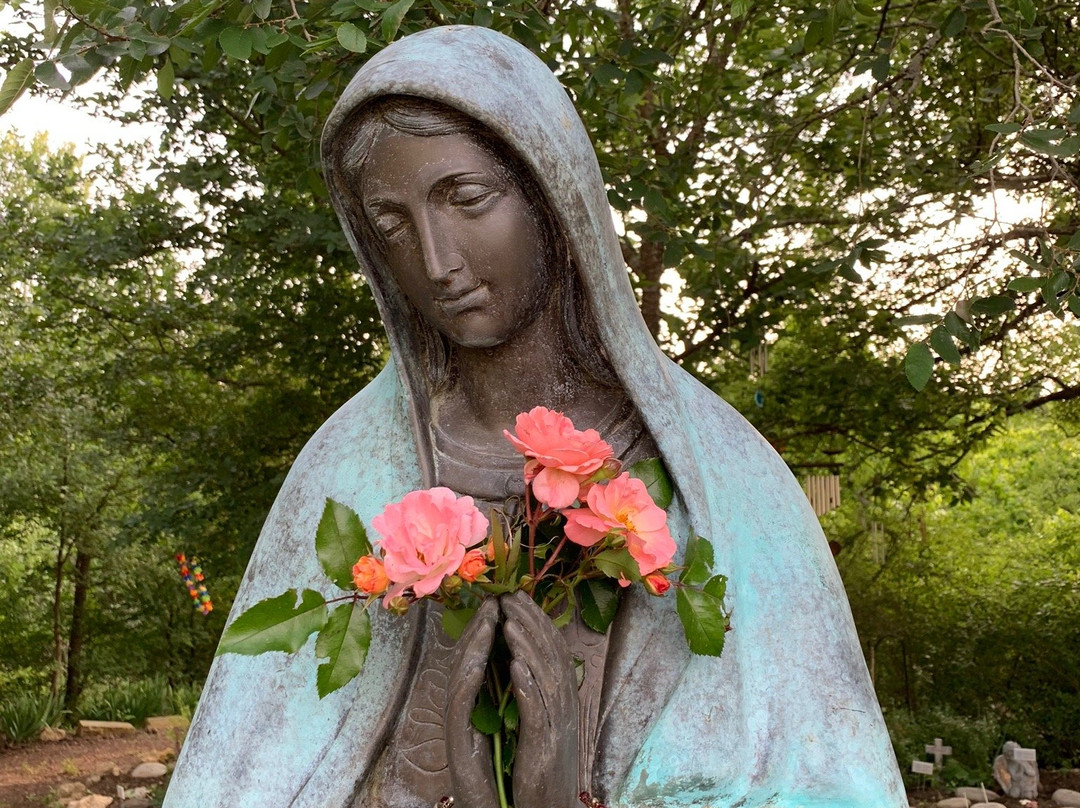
(193, 578)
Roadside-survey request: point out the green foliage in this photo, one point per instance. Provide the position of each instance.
(599, 602)
(282, 623)
(791, 174)
(344, 643)
(699, 600)
(975, 743)
(128, 700)
(22, 717)
(651, 471)
(339, 542)
(973, 612)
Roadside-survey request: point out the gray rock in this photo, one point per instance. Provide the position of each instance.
(1066, 797)
(976, 793)
(954, 802)
(988, 805)
(146, 771)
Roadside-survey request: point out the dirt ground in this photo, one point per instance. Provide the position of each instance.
(31, 773)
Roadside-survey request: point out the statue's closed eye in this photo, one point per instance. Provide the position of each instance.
(390, 224)
(472, 194)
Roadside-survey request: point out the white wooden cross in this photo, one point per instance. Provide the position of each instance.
(938, 751)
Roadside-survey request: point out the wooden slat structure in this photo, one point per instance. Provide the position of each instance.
(823, 491)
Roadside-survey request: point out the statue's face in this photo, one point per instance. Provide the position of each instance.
(460, 237)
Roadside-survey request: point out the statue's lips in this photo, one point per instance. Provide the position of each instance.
(459, 304)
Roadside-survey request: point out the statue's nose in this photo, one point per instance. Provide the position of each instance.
(440, 254)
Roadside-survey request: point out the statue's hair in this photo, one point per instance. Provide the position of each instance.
(426, 118)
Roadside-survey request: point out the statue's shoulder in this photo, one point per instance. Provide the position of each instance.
(363, 455)
(717, 425)
(368, 415)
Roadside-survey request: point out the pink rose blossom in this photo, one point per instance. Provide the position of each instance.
(424, 539)
(559, 459)
(624, 508)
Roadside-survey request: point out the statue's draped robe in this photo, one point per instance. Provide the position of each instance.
(786, 717)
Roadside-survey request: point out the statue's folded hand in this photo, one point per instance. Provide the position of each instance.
(468, 752)
(542, 671)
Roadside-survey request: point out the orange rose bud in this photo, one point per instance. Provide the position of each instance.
(369, 576)
(472, 566)
(656, 584)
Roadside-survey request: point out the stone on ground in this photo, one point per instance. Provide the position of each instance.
(68, 791)
(149, 770)
(954, 802)
(1066, 797)
(106, 729)
(52, 735)
(976, 794)
(92, 801)
(167, 724)
(988, 805)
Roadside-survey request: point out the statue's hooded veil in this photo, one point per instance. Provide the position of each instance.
(786, 717)
(500, 83)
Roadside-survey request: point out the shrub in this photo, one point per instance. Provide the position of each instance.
(974, 743)
(24, 716)
(132, 701)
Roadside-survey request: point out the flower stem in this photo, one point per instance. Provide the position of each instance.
(499, 770)
(551, 560)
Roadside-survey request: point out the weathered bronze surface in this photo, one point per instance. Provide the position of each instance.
(474, 203)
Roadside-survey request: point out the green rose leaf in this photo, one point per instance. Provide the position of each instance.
(651, 471)
(697, 562)
(275, 624)
(599, 601)
(919, 365)
(618, 564)
(455, 620)
(340, 541)
(344, 643)
(704, 620)
(485, 715)
(716, 586)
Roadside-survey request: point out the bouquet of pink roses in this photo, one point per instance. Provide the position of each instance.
(584, 530)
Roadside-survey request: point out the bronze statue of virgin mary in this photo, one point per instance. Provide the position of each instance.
(472, 198)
